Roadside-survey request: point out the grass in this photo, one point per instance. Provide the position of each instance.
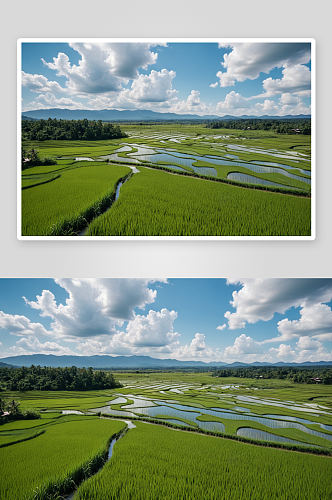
(184, 209)
(232, 426)
(84, 192)
(155, 462)
(54, 460)
(156, 203)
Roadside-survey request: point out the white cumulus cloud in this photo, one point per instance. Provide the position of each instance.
(104, 67)
(248, 60)
(155, 87)
(260, 299)
(95, 306)
(39, 83)
(47, 101)
(154, 330)
(283, 352)
(295, 79)
(233, 100)
(243, 345)
(31, 345)
(21, 326)
(315, 320)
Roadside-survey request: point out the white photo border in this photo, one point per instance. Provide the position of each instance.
(312, 41)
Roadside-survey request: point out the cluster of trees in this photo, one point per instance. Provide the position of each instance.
(70, 130)
(55, 379)
(10, 410)
(30, 158)
(304, 375)
(290, 126)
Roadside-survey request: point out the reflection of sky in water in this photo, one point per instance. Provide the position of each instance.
(191, 413)
(117, 413)
(115, 157)
(118, 401)
(124, 149)
(71, 412)
(236, 176)
(181, 160)
(306, 172)
(142, 406)
(267, 170)
(301, 420)
(244, 149)
(173, 421)
(175, 167)
(156, 155)
(266, 436)
(254, 400)
(138, 403)
(188, 161)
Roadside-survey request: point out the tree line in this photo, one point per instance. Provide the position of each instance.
(70, 130)
(298, 126)
(37, 378)
(30, 158)
(304, 375)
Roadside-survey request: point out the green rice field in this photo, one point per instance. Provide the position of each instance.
(152, 462)
(184, 181)
(54, 459)
(194, 436)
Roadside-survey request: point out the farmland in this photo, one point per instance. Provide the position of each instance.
(195, 436)
(183, 180)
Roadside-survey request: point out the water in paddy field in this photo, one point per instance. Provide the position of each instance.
(176, 422)
(117, 413)
(188, 159)
(175, 167)
(120, 159)
(139, 403)
(266, 436)
(171, 156)
(269, 152)
(290, 405)
(301, 420)
(191, 413)
(118, 401)
(110, 452)
(250, 179)
(81, 158)
(306, 172)
(72, 412)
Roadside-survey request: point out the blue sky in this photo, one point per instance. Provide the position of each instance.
(251, 78)
(188, 319)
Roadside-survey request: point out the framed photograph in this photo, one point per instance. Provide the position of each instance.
(166, 139)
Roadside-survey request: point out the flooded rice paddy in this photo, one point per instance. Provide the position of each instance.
(181, 161)
(266, 436)
(210, 406)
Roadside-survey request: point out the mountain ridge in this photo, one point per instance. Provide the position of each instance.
(111, 362)
(137, 115)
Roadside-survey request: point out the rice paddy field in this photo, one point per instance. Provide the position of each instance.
(152, 462)
(182, 181)
(62, 452)
(190, 435)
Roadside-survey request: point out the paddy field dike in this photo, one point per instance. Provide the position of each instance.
(171, 180)
(172, 435)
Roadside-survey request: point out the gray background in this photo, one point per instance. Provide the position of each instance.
(159, 18)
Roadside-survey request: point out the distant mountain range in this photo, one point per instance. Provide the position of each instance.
(6, 365)
(134, 115)
(132, 362)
